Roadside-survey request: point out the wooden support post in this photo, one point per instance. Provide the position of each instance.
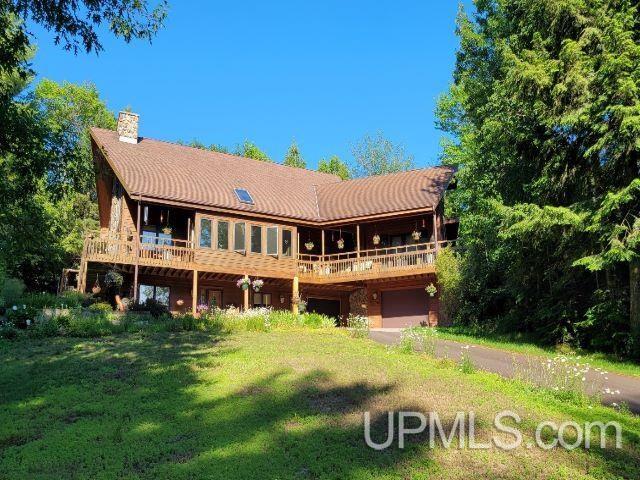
(136, 268)
(322, 244)
(194, 294)
(358, 241)
(295, 296)
(435, 227)
(245, 294)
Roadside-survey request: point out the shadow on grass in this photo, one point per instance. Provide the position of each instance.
(138, 406)
(162, 406)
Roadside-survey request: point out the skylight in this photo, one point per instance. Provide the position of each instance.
(243, 196)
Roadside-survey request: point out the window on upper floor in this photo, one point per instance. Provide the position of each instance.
(256, 239)
(239, 238)
(223, 235)
(205, 233)
(286, 242)
(272, 241)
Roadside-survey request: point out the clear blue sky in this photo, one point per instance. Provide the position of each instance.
(322, 73)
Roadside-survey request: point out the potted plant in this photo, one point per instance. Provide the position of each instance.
(376, 239)
(416, 234)
(257, 285)
(309, 245)
(244, 283)
(431, 289)
(340, 243)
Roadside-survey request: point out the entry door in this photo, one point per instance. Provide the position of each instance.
(214, 298)
(403, 308)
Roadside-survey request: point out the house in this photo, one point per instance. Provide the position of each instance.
(183, 225)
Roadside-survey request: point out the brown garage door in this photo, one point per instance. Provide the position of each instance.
(403, 308)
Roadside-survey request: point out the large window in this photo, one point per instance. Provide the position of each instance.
(262, 300)
(256, 239)
(286, 243)
(205, 232)
(239, 240)
(160, 294)
(223, 235)
(272, 241)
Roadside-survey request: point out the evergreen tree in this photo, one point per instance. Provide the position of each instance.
(293, 158)
(544, 116)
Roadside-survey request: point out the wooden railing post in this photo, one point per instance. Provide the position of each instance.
(245, 295)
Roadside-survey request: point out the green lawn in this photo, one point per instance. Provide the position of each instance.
(278, 405)
(602, 360)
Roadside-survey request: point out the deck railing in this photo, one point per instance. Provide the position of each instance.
(119, 249)
(115, 248)
(369, 262)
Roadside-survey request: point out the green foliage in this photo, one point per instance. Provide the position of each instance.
(251, 150)
(358, 326)
(214, 147)
(334, 166)
(76, 24)
(293, 158)
(449, 278)
(152, 306)
(11, 289)
(376, 155)
(100, 307)
(543, 124)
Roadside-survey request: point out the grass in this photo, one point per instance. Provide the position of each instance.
(277, 405)
(520, 345)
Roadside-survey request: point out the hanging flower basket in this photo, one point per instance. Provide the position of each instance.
(416, 235)
(167, 230)
(180, 302)
(244, 283)
(257, 285)
(376, 239)
(309, 245)
(431, 289)
(340, 243)
(96, 287)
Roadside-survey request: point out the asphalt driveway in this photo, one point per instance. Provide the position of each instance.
(509, 364)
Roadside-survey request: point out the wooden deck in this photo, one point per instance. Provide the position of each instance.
(344, 267)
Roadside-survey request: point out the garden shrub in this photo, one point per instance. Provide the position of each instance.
(151, 305)
(11, 289)
(101, 307)
(358, 326)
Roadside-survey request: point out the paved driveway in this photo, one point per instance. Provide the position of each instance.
(508, 364)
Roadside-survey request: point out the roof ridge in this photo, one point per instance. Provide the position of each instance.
(233, 155)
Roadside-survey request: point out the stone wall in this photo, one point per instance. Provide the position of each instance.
(358, 302)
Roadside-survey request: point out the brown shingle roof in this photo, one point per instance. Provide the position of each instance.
(411, 190)
(167, 171)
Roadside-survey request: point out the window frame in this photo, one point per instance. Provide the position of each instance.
(228, 223)
(261, 229)
(267, 229)
(200, 229)
(281, 242)
(244, 234)
(154, 294)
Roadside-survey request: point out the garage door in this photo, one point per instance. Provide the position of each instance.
(403, 308)
(330, 308)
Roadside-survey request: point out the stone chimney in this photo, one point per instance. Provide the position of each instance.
(128, 127)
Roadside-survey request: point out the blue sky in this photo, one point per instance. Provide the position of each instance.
(322, 73)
